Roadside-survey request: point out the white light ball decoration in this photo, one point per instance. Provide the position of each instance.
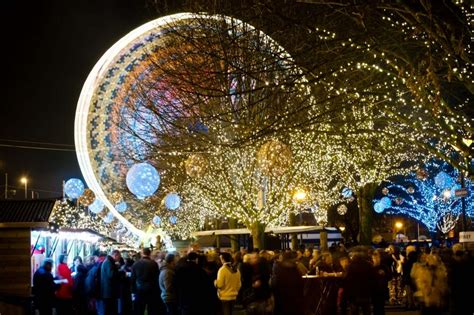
(172, 201)
(443, 180)
(411, 190)
(346, 192)
(342, 209)
(385, 202)
(196, 165)
(274, 157)
(399, 201)
(121, 207)
(143, 180)
(156, 220)
(97, 206)
(74, 188)
(385, 191)
(421, 174)
(378, 207)
(109, 218)
(173, 220)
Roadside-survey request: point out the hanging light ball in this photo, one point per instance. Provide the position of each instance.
(74, 188)
(173, 220)
(347, 192)
(97, 206)
(121, 207)
(172, 201)
(87, 197)
(274, 157)
(142, 180)
(385, 202)
(342, 209)
(196, 165)
(109, 218)
(443, 180)
(411, 190)
(385, 191)
(421, 174)
(378, 207)
(116, 197)
(156, 220)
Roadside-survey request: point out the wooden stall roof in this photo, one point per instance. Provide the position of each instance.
(25, 213)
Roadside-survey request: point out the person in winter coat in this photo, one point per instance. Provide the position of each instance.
(110, 283)
(144, 280)
(287, 285)
(227, 283)
(380, 293)
(44, 288)
(79, 295)
(461, 278)
(64, 294)
(166, 282)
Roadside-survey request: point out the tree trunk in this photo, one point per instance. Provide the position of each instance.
(323, 240)
(258, 235)
(218, 239)
(365, 195)
(293, 236)
(234, 244)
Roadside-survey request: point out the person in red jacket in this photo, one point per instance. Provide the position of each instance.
(64, 293)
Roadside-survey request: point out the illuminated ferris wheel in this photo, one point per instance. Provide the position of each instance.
(112, 141)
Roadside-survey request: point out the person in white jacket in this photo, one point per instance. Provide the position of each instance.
(227, 283)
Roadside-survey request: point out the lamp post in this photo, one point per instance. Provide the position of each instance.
(299, 196)
(24, 181)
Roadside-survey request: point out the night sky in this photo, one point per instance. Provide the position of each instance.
(48, 49)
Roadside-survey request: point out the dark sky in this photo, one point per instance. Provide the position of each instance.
(48, 49)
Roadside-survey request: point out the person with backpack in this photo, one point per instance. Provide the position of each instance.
(227, 283)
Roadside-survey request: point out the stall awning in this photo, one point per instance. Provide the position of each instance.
(274, 230)
(33, 213)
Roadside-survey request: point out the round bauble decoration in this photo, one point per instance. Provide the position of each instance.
(274, 157)
(172, 201)
(109, 218)
(97, 206)
(121, 207)
(385, 191)
(196, 165)
(351, 199)
(74, 188)
(421, 174)
(346, 192)
(443, 180)
(399, 201)
(143, 180)
(87, 197)
(411, 190)
(385, 202)
(173, 219)
(156, 220)
(116, 198)
(342, 209)
(378, 207)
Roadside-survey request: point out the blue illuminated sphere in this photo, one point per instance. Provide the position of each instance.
(173, 220)
(385, 202)
(97, 206)
(109, 218)
(172, 201)
(156, 220)
(443, 180)
(378, 207)
(121, 207)
(143, 180)
(74, 188)
(346, 192)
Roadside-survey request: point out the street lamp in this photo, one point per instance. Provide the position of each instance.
(299, 196)
(24, 181)
(399, 225)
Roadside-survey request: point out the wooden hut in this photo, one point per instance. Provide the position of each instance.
(17, 219)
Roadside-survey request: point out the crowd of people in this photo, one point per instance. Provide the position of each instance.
(435, 281)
